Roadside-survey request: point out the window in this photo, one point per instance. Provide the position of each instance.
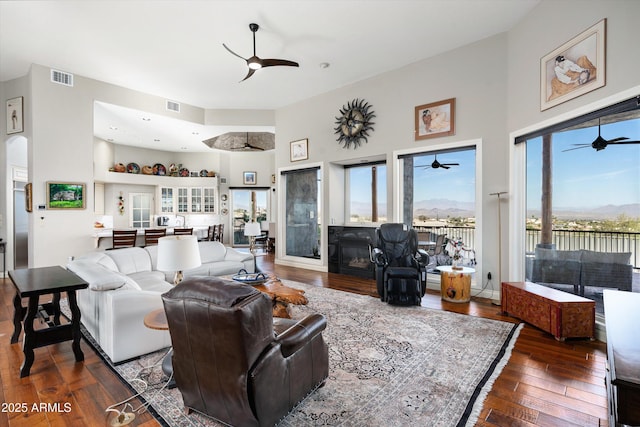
(367, 193)
(140, 210)
(246, 203)
(439, 199)
(583, 205)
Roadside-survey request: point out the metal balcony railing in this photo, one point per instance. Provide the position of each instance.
(601, 241)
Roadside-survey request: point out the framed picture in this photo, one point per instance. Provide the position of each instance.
(65, 195)
(28, 197)
(435, 120)
(299, 150)
(15, 122)
(575, 68)
(249, 178)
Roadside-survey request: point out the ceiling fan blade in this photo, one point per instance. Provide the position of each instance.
(450, 164)
(444, 166)
(249, 74)
(622, 138)
(232, 52)
(275, 62)
(254, 147)
(578, 148)
(624, 142)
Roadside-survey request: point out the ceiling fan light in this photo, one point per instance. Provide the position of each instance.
(254, 63)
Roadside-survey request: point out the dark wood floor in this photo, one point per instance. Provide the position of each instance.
(545, 383)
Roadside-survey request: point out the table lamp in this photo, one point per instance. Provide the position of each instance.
(178, 253)
(252, 229)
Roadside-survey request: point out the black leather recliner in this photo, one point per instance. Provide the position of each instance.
(231, 361)
(401, 268)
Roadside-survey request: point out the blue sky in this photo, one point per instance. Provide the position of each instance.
(586, 178)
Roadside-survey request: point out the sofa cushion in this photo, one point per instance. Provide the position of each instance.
(606, 257)
(553, 254)
(212, 252)
(151, 281)
(99, 277)
(100, 258)
(130, 260)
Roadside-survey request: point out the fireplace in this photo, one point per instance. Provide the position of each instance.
(349, 251)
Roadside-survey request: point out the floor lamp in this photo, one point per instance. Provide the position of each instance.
(500, 193)
(252, 230)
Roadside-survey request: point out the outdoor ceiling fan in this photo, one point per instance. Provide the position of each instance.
(600, 143)
(436, 164)
(255, 63)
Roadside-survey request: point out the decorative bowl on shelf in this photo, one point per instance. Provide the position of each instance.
(159, 169)
(184, 172)
(147, 170)
(133, 168)
(119, 167)
(204, 172)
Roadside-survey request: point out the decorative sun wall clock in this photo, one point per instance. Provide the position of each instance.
(354, 123)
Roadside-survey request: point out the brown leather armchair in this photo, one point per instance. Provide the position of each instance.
(231, 361)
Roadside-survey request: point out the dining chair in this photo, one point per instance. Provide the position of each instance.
(151, 235)
(183, 231)
(124, 239)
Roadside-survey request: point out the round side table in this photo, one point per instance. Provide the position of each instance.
(455, 284)
(157, 319)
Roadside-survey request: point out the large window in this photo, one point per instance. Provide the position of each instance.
(439, 200)
(367, 193)
(583, 205)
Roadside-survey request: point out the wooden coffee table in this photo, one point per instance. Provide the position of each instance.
(281, 296)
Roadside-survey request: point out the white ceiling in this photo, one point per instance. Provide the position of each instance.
(173, 49)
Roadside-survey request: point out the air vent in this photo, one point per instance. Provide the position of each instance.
(173, 106)
(62, 78)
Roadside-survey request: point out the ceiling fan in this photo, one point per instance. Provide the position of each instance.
(247, 146)
(436, 164)
(600, 143)
(255, 63)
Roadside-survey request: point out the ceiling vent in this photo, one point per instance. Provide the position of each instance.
(62, 78)
(173, 106)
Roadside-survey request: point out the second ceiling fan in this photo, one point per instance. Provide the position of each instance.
(255, 63)
(436, 164)
(600, 143)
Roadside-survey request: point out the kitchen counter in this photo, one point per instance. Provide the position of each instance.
(102, 236)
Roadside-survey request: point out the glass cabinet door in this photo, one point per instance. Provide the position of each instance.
(183, 200)
(196, 200)
(166, 200)
(209, 201)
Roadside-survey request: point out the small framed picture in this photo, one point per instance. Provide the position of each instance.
(65, 195)
(249, 178)
(435, 120)
(575, 68)
(15, 121)
(299, 150)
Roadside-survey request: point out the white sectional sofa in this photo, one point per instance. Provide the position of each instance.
(124, 286)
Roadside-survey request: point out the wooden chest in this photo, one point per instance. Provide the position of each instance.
(562, 314)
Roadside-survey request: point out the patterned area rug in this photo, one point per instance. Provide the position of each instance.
(389, 365)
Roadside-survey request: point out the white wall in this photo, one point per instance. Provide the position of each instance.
(495, 83)
(475, 75)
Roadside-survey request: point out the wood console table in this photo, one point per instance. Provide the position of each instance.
(562, 314)
(32, 283)
(622, 317)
